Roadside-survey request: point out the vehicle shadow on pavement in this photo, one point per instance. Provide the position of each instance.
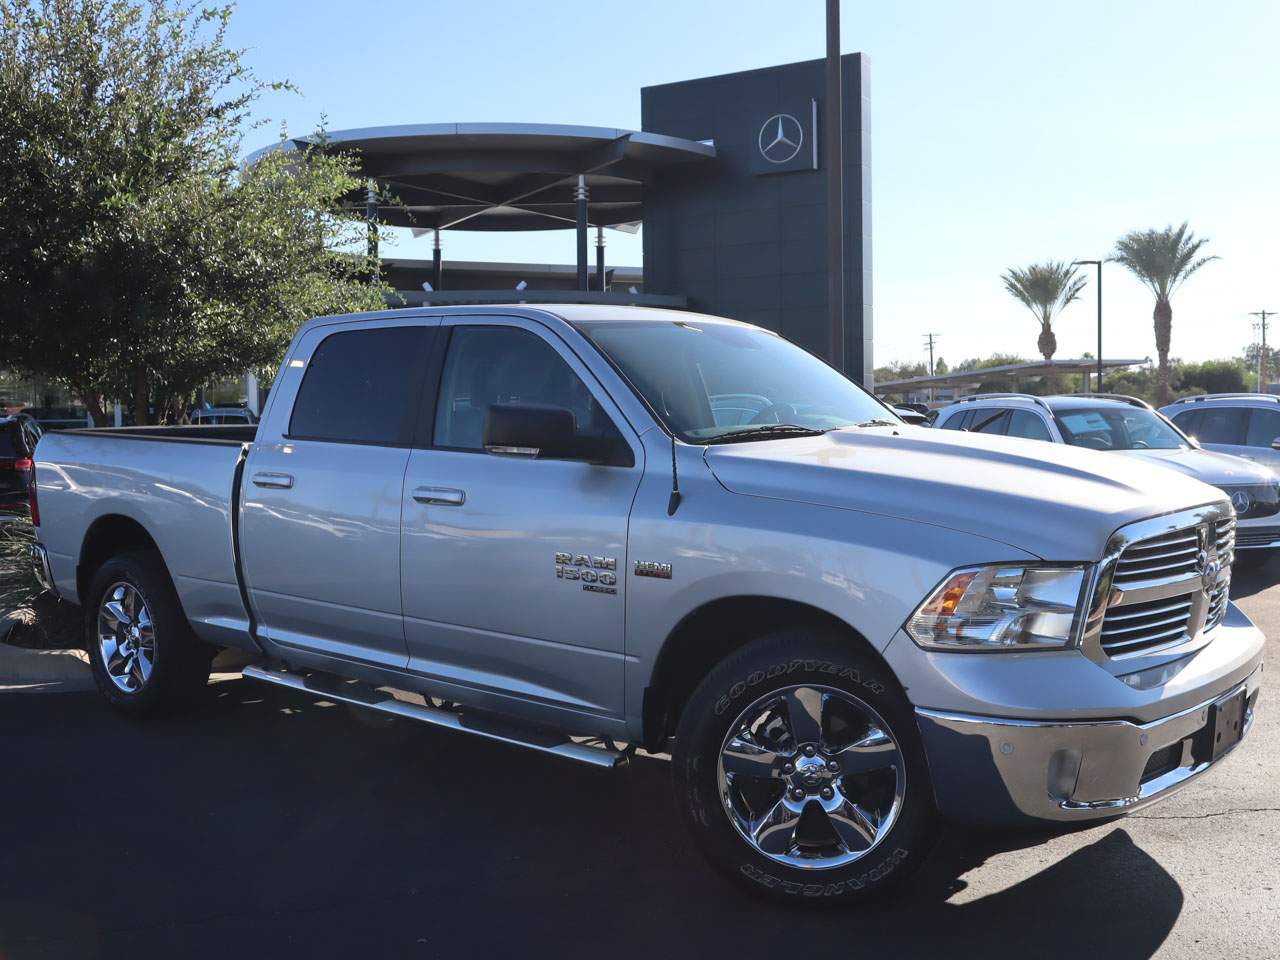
(264, 824)
(1253, 576)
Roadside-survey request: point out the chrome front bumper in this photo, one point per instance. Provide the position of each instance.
(1001, 771)
(40, 567)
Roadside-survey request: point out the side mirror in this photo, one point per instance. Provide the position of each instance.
(1275, 444)
(525, 430)
(549, 433)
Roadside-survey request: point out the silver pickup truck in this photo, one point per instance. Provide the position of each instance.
(585, 529)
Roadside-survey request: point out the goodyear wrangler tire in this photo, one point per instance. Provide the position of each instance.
(800, 771)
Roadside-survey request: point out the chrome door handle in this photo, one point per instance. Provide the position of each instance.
(441, 496)
(277, 481)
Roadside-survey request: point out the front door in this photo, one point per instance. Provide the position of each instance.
(513, 567)
(321, 515)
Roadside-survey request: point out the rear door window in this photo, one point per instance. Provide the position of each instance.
(989, 420)
(361, 387)
(1028, 425)
(1264, 426)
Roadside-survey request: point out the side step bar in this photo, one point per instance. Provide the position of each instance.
(363, 695)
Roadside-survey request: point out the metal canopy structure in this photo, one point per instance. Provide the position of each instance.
(1040, 368)
(506, 176)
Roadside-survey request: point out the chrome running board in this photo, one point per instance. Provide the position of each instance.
(329, 687)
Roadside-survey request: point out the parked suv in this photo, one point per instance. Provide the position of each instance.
(1242, 424)
(18, 436)
(1128, 425)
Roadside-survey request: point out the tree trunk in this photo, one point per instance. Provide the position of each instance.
(141, 395)
(1163, 318)
(93, 403)
(1047, 343)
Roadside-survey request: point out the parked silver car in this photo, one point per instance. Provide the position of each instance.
(1132, 427)
(564, 528)
(1244, 425)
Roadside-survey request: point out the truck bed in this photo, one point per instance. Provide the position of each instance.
(179, 484)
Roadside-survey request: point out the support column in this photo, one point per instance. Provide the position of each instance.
(600, 278)
(580, 196)
(371, 216)
(834, 157)
(437, 265)
(119, 415)
(251, 393)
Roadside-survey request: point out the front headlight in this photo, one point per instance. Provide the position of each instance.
(1001, 607)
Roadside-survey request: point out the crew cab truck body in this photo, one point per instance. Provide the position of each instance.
(684, 533)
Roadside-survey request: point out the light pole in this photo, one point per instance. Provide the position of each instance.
(1098, 264)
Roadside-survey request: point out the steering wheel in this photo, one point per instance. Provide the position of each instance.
(1141, 445)
(774, 413)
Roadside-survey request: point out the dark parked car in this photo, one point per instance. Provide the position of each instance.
(18, 436)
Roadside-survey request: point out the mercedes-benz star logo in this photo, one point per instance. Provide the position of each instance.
(1241, 500)
(780, 138)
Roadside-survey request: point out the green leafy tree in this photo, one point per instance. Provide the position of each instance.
(1044, 289)
(1163, 260)
(1213, 376)
(137, 258)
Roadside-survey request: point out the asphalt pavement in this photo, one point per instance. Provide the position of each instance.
(265, 824)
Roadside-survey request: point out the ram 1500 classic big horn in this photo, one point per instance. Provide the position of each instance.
(581, 529)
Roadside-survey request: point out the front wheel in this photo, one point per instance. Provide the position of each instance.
(800, 771)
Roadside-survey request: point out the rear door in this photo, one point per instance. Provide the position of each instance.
(513, 575)
(321, 507)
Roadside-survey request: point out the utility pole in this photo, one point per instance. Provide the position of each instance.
(1262, 352)
(930, 337)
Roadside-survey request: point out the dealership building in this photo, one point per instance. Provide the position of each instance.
(726, 175)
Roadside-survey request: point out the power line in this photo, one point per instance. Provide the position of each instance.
(930, 337)
(1262, 351)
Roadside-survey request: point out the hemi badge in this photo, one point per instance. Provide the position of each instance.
(648, 568)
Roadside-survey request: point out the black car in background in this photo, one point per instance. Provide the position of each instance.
(18, 436)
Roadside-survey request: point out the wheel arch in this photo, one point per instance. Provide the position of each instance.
(109, 535)
(710, 633)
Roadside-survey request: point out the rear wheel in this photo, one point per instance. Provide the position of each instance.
(141, 649)
(800, 771)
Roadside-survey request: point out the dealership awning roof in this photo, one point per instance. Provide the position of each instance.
(506, 176)
(1013, 371)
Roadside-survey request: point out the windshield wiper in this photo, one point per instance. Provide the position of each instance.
(765, 431)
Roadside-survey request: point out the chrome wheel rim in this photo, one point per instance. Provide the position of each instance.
(126, 637)
(811, 777)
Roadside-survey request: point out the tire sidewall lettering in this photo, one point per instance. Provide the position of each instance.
(834, 888)
(825, 667)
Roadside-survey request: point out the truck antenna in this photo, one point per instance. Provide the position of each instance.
(675, 498)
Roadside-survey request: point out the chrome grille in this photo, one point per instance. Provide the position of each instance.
(1170, 555)
(1168, 586)
(1136, 626)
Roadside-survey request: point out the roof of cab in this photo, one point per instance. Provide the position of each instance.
(572, 313)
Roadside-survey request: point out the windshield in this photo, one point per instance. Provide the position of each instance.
(712, 381)
(1106, 428)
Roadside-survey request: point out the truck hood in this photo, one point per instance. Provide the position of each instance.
(1219, 469)
(1052, 500)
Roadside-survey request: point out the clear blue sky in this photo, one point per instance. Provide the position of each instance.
(1003, 133)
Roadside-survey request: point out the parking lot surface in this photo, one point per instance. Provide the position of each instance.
(264, 824)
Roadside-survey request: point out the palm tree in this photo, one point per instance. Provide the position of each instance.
(1162, 259)
(1044, 288)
